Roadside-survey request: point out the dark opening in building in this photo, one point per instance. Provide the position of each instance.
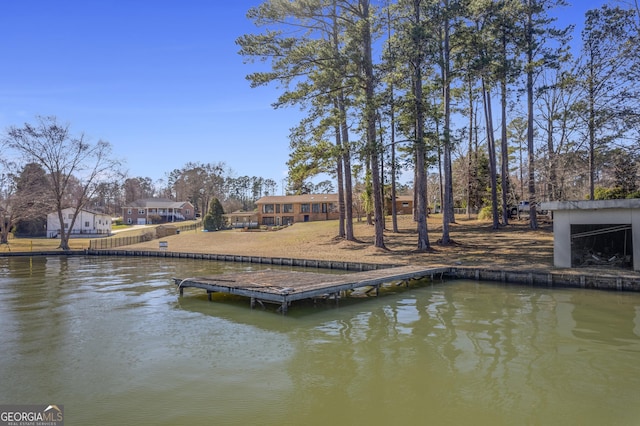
(601, 245)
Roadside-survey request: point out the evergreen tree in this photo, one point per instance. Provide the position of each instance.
(537, 31)
(214, 219)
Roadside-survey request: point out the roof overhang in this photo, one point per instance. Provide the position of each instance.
(632, 203)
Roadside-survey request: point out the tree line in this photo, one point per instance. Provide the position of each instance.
(488, 95)
(482, 99)
(46, 168)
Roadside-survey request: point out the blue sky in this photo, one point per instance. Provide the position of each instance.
(160, 80)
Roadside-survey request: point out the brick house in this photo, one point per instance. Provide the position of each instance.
(404, 204)
(157, 210)
(288, 209)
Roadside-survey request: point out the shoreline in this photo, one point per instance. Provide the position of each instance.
(512, 253)
(585, 278)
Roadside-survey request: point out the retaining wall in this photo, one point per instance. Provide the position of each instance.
(281, 261)
(571, 278)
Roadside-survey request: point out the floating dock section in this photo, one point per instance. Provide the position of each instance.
(284, 287)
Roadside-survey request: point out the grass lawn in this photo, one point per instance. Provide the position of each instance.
(474, 243)
(52, 244)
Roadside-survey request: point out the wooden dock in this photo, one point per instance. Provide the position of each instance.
(284, 287)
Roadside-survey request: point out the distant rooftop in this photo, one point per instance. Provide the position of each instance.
(157, 203)
(305, 198)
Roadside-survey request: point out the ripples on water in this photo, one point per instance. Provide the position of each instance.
(111, 340)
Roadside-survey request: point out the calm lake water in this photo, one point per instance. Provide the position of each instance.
(111, 340)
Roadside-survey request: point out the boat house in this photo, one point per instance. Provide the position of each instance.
(604, 233)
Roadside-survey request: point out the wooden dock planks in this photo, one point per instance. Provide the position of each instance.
(284, 287)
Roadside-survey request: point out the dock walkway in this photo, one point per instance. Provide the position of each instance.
(284, 287)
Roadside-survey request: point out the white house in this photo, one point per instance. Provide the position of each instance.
(596, 233)
(87, 223)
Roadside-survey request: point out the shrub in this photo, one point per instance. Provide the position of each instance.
(148, 236)
(485, 213)
(155, 218)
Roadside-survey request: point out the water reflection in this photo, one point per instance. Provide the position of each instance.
(494, 353)
(111, 339)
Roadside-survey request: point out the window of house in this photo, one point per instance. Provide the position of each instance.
(140, 211)
(405, 204)
(129, 211)
(287, 208)
(268, 221)
(277, 208)
(86, 224)
(66, 225)
(268, 208)
(315, 208)
(187, 212)
(304, 208)
(129, 221)
(70, 216)
(324, 207)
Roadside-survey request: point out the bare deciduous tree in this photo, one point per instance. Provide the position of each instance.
(7, 201)
(74, 166)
